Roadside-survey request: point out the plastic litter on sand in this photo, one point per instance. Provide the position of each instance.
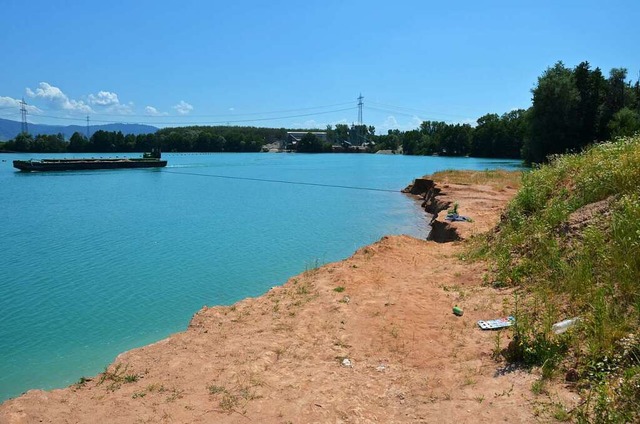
(494, 324)
(562, 326)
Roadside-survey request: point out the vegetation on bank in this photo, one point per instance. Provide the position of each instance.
(496, 178)
(570, 243)
(571, 109)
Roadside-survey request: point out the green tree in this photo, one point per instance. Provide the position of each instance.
(371, 130)
(146, 142)
(129, 143)
(310, 143)
(616, 97)
(341, 133)
(516, 125)
(359, 134)
(22, 143)
(487, 135)
(78, 143)
(553, 114)
(455, 140)
(624, 122)
(102, 141)
(411, 142)
(431, 127)
(391, 141)
(591, 87)
(49, 143)
(331, 134)
(234, 142)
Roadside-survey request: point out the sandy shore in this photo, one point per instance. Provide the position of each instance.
(368, 339)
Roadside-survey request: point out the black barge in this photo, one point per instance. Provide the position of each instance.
(148, 160)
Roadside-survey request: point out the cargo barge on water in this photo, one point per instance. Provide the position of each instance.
(148, 160)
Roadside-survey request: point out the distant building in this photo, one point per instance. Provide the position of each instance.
(293, 137)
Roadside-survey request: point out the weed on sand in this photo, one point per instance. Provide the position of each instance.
(498, 179)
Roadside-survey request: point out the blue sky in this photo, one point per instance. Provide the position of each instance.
(284, 63)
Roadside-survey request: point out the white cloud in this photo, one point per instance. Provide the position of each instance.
(183, 108)
(121, 108)
(312, 123)
(109, 102)
(9, 102)
(390, 123)
(104, 98)
(57, 99)
(470, 121)
(308, 124)
(231, 109)
(342, 121)
(152, 111)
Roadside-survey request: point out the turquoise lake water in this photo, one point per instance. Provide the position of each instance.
(95, 263)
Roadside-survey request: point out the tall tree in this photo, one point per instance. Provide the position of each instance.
(341, 133)
(614, 100)
(78, 143)
(553, 114)
(410, 142)
(22, 143)
(455, 140)
(310, 143)
(487, 136)
(515, 125)
(591, 87)
(624, 122)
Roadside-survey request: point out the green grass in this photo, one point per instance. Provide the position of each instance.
(498, 179)
(591, 271)
(116, 376)
(214, 389)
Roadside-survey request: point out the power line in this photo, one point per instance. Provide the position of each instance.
(264, 180)
(416, 111)
(189, 120)
(379, 109)
(274, 118)
(413, 115)
(233, 114)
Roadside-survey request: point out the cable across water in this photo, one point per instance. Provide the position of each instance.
(265, 180)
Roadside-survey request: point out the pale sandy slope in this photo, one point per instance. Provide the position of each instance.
(277, 358)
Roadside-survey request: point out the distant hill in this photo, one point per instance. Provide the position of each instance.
(9, 129)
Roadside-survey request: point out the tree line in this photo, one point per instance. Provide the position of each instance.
(494, 136)
(571, 109)
(179, 139)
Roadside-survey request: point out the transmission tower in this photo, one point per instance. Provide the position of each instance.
(23, 113)
(360, 104)
(87, 127)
